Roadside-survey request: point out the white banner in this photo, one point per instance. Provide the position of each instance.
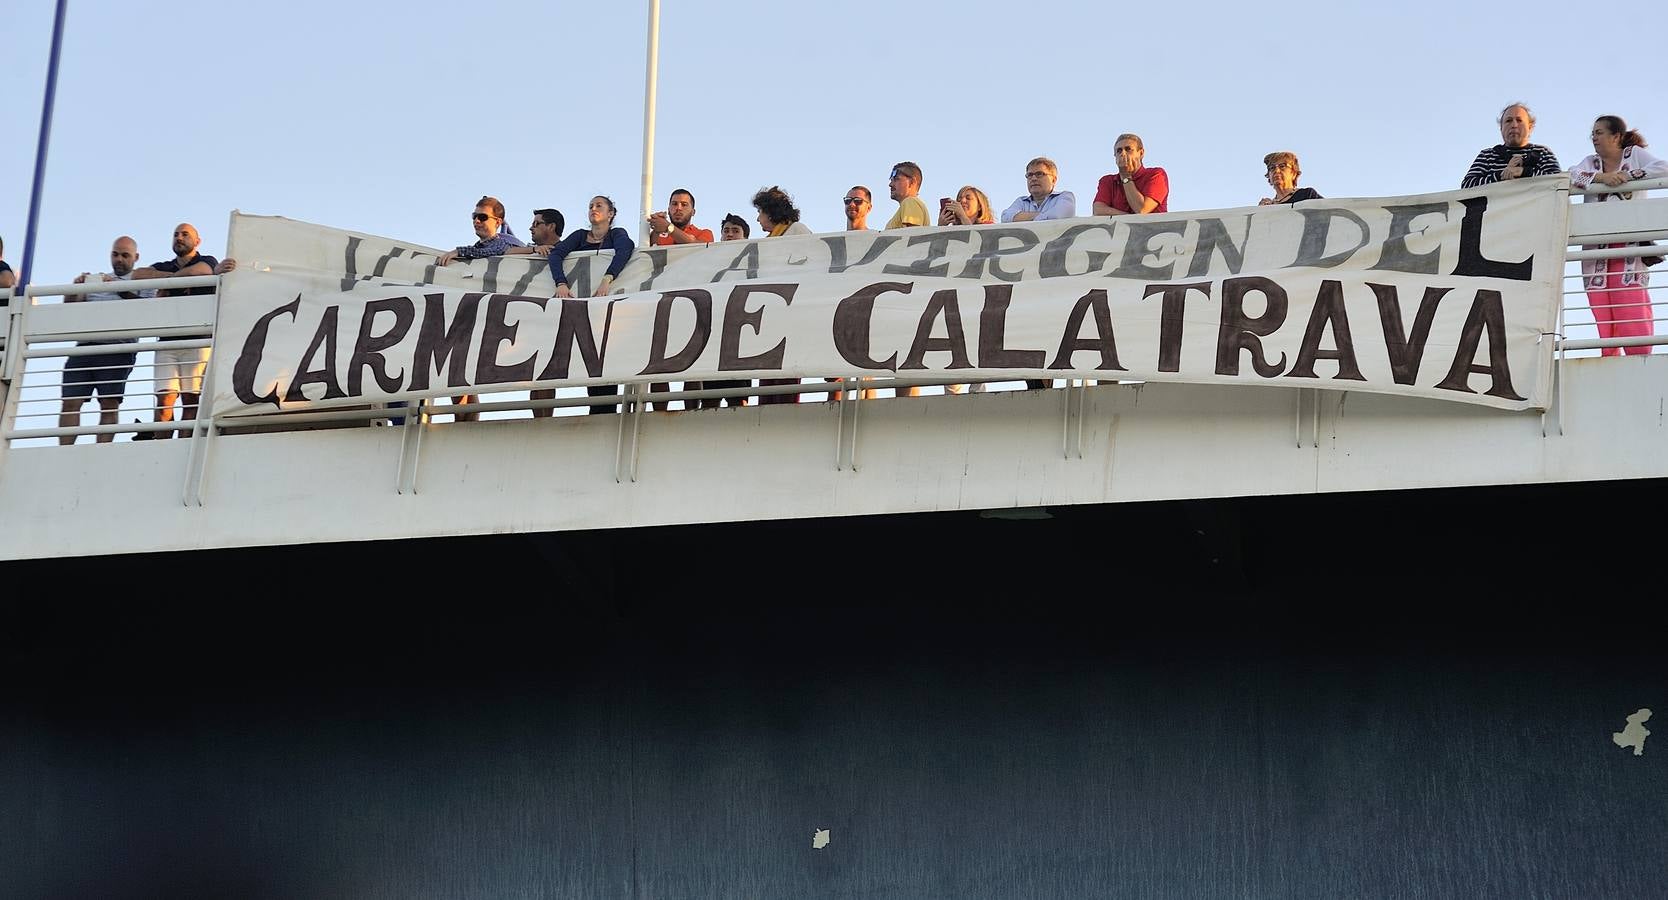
(1449, 295)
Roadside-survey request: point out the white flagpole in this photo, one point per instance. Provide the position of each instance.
(650, 81)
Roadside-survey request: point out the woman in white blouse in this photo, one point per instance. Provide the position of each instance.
(1617, 289)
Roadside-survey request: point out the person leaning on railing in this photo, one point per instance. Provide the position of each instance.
(545, 231)
(178, 373)
(1617, 289)
(777, 216)
(492, 238)
(102, 376)
(601, 235)
(1041, 202)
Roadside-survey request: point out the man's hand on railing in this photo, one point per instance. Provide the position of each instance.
(226, 265)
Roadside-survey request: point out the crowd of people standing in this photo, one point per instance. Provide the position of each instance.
(1616, 288)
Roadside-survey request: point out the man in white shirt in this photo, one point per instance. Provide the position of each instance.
(101, 374)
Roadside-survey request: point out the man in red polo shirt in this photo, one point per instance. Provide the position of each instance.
(1134, 188)
(676, 226)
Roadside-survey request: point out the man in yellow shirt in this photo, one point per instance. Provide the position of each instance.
(904, 185)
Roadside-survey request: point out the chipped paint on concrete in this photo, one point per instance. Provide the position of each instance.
(1635, 733)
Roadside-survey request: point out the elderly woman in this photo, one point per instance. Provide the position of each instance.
(1617, 289)
(1283, 171)
(971, 207)
(601, 235)
(777, 214)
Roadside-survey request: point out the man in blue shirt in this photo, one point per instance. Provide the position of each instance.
(1041, 200)
(495, 238)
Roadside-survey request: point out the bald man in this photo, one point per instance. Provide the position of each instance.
(178, 374)
(102, 375)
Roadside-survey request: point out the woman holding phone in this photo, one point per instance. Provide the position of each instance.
(971, 207)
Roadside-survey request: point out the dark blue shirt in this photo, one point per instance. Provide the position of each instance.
(497, 245)
(170, 265)
(618, 240)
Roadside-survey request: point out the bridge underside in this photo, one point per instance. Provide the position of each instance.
(1405, 693)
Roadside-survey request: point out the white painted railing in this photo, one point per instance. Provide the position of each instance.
(37, 342)
(1605, 231)
(44, 340)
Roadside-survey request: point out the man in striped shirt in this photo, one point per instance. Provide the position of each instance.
(1514, 156)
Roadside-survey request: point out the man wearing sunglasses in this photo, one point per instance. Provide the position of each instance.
(858, 203)
(904, 185)
(546, 232)
(494, 239)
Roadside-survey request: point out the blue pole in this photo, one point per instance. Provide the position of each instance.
(40, 149)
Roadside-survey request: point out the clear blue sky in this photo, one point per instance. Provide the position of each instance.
(393, 118)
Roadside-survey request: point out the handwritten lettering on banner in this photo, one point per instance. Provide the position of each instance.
(1445, 295)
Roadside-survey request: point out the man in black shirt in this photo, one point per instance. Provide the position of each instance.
(1514, 156)
(179, 373)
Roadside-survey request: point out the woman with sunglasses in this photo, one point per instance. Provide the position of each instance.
(602, 235)
(1618, 290)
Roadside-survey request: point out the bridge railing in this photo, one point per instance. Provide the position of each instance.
(38, 341)
(1615, 318)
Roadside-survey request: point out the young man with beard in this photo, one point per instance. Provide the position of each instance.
(178, 374)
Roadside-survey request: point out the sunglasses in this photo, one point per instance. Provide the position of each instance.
(854, 201)
(1037, 174)
(480, 217)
